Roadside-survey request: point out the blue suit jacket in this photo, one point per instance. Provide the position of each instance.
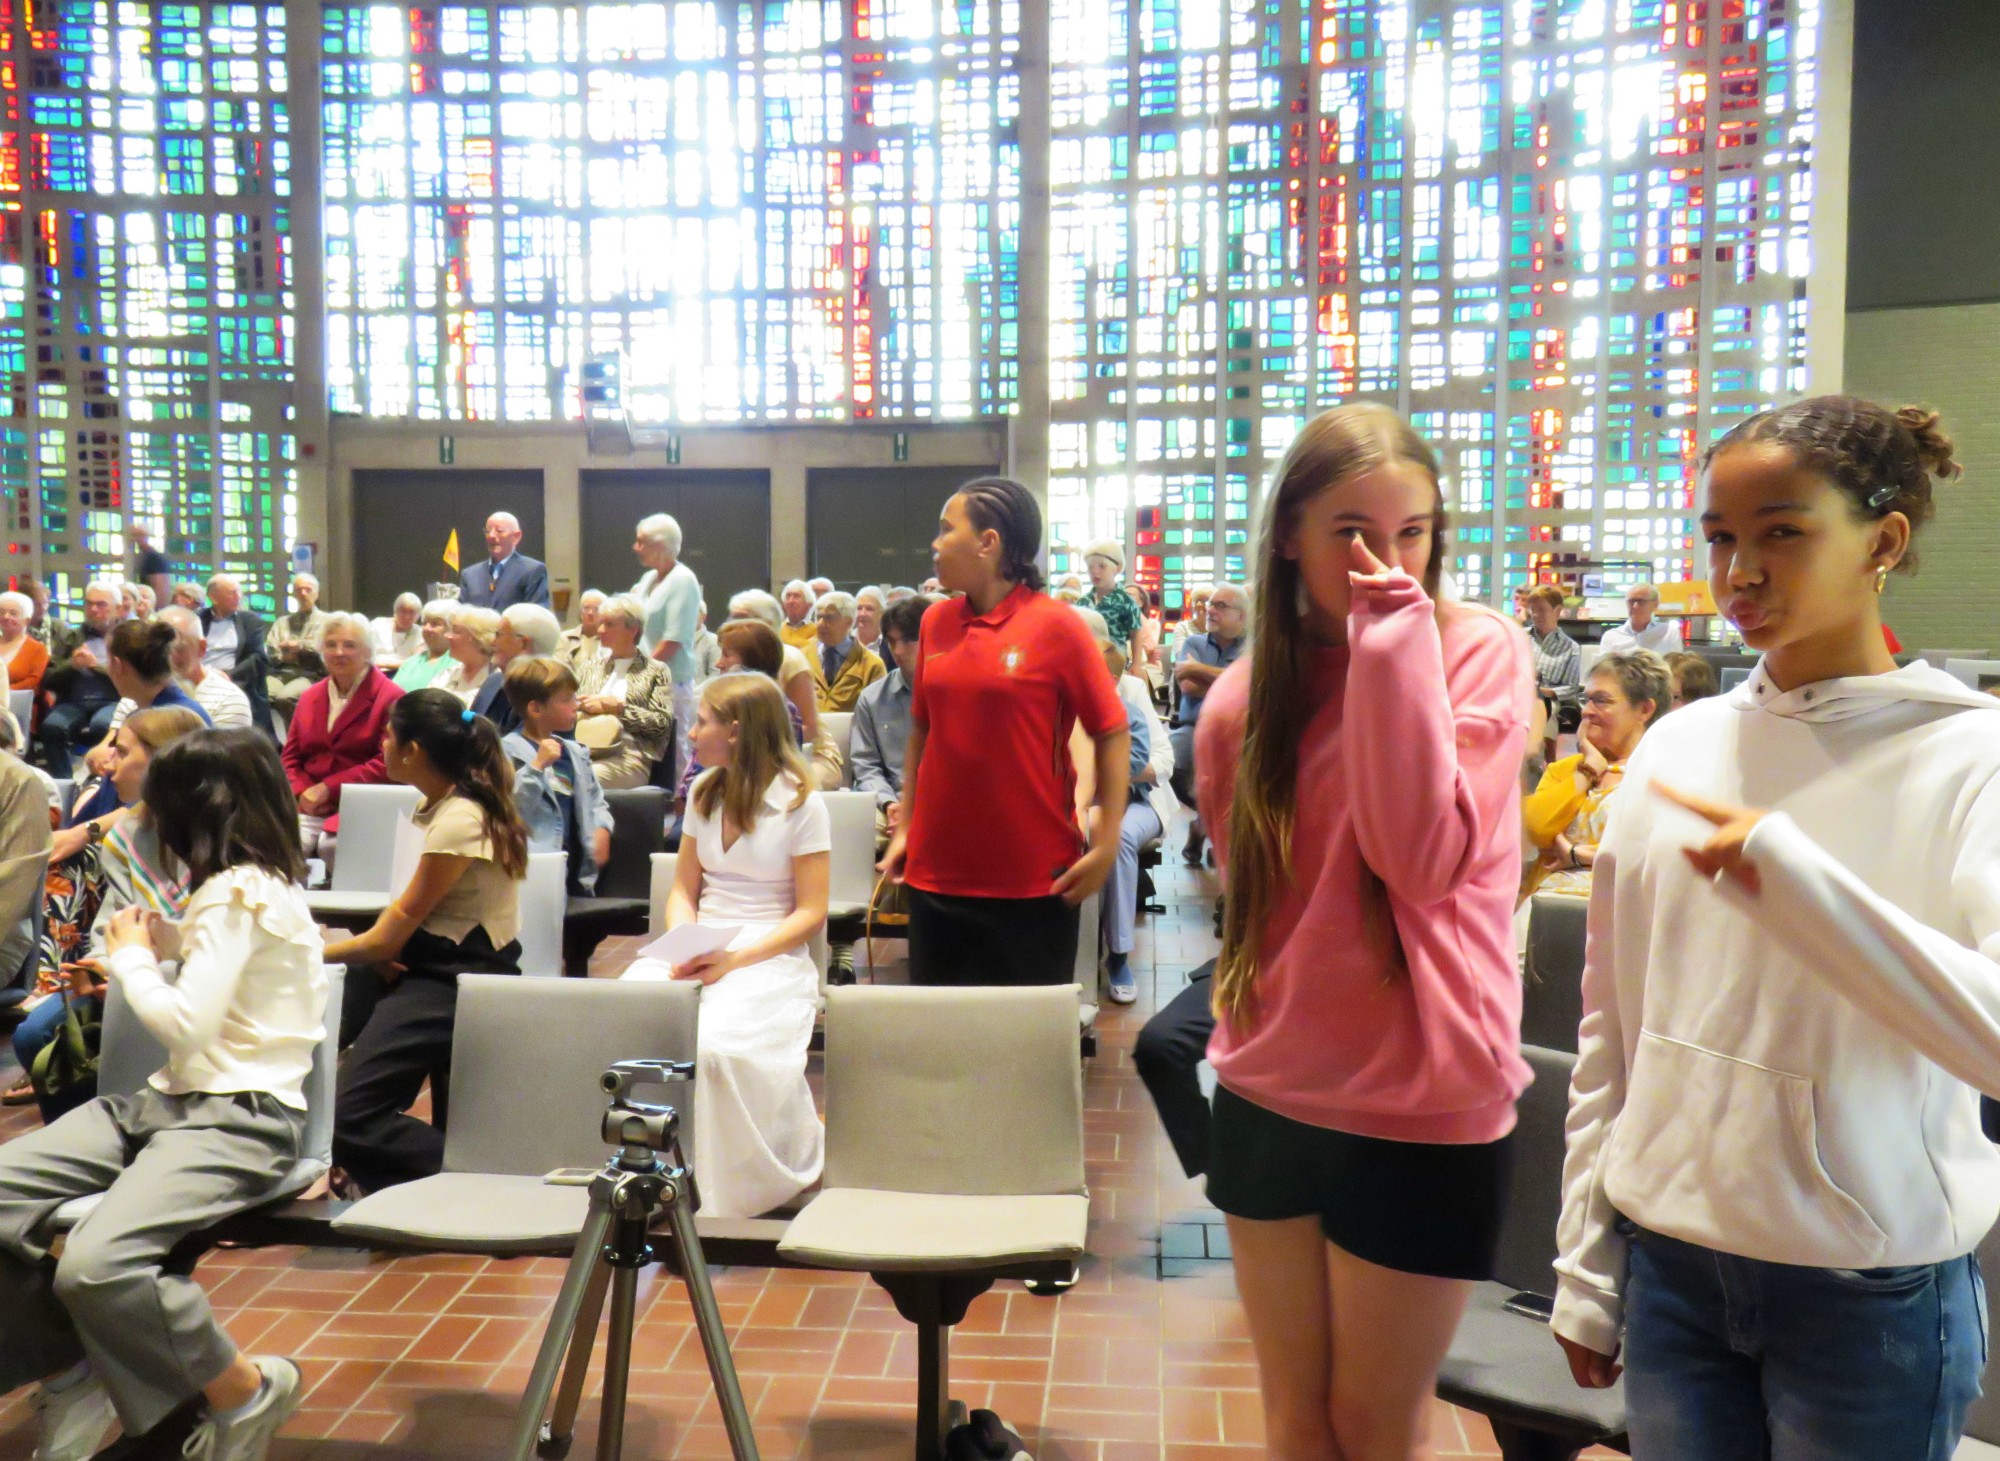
(491, 701)
(523, 580)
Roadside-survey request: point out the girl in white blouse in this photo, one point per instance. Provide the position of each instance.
(754, 856)
(105, 1327)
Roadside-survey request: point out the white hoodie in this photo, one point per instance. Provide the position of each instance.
(1792, 1076)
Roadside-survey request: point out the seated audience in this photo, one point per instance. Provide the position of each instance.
(1147, 657)
(131, 868)
(842, 666)
(580, 643)
(1193, 620)
(796, 603)
(1643, 627)
(470, 642)
(897, 594)
(139, 661)
(219, 697)
(335, 739)
(292, 646)
(1141, 823)
(1558, 660)
(46, 628)
(748, 646)
(210, 1135)
(77, 693)
(459, 914)
(1565, 817)
(1200, 663)
(881, 730)
(868, 606)
(795, 677)
(235, 639)
(187, 595)
(525, 629)
(1067, 589)
(1694, 678)
(430, 663)
(25, 658)
(24, 853)
(14, 743)
(555, 790)
(819, 588)
(707, 648)
(130, 605)
(399, 636)
(628, 699)
(754, 854)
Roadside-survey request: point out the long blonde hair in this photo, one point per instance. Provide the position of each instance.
(764, 748)
(1334, 446)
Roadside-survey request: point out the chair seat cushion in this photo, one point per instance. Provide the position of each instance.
(851, 1227)
(1971, 1450)
(1509, 1365)
(593, 911)
(470, 1212)
(304, 1173)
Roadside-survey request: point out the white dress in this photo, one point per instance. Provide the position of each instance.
(758, 1141)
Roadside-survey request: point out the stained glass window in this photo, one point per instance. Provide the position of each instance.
(1569, 238)
(795, 210)
(145, 274)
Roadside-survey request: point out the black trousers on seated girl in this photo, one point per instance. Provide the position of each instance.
(956, 940)
(398, 1031)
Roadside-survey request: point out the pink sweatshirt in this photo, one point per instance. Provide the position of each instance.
(1413, 758)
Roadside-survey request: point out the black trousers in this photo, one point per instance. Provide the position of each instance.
(401, 1032)
(970, 941)
(1168, 1051)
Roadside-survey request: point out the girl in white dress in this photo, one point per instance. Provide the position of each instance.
(754, 855)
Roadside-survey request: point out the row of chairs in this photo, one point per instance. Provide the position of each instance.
(938, 1183)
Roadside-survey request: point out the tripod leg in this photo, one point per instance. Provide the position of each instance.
(708, 1322)
(617, 1362)
(562, 1421)
(562, 1322)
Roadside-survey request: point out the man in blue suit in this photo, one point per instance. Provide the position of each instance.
(508, 577)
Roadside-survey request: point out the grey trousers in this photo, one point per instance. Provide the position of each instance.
(167, 1166)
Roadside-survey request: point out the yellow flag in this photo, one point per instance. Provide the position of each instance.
(451, 552)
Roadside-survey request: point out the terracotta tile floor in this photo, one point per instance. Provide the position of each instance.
(425, 1357)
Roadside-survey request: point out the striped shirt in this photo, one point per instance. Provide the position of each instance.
(1558, 666)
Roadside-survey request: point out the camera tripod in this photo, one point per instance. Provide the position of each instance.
(635, 1185)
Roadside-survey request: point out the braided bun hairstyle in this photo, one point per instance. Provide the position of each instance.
(1882, 461)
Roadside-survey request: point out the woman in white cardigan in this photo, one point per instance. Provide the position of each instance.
(1776, 1173)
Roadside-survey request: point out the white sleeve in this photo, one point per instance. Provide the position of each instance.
(1590, 1252)
(809, 828)
(186, 1016)
(1917, 981)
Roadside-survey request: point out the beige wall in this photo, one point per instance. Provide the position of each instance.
(1946, 357)
(562, 454)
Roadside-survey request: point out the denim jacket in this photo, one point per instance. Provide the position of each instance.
(541, 811)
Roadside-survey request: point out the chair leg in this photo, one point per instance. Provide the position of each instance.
(578, 946)
(1519, 1444)
(933, 1302)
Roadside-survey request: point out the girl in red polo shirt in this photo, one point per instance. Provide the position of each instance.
(1358, 771)
(987, 839)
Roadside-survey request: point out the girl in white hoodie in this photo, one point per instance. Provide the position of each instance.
(1776, 1175)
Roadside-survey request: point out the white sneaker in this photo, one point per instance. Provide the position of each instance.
(247, 1437)
(75, 1420)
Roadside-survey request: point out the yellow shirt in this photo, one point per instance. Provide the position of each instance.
(799, 636)
(484, 896)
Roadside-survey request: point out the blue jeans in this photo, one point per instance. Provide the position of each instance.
(33, 1035)
(1733, 1359)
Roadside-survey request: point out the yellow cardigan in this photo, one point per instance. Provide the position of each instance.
(800, 636)
(862, 668)
(1547, 812)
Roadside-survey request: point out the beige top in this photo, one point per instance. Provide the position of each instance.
(484, 896)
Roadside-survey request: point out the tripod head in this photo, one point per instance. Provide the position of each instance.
(640, 1125)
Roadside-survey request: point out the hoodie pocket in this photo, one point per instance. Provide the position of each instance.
(1725, 1153)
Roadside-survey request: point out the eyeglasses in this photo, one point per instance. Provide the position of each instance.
(1603, 701)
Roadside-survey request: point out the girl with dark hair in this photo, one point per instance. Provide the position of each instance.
(1358, 771)
(987, 839)
(107, 1326)
(1776, 1173)
(460, 914)
(137, 658)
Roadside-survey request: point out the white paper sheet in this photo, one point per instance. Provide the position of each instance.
(691, 940)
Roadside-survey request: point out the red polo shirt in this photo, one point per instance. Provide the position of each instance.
(997, 695)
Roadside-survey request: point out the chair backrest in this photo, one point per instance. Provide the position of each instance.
(975, 1091)
(1983, 1422)
(66, 789)
(1552, 990)
(851, 877)
(663, 864)
(128, 1054)
(840, 725)
(1938, 658)
(526, 1057)
(1974, 674)
(367, 848)
(1087, 961)
(1732, 676)
(1527, 1254)
(22, 703)
(544, 900)
(638, 830)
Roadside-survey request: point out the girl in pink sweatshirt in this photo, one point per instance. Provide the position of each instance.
(1358, 771)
